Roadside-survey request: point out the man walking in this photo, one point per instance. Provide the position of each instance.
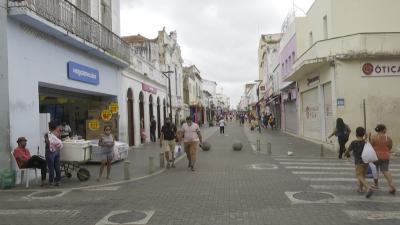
(167, 140)
(153, 127)
(221, 123)
(25, 160)
(191, 138)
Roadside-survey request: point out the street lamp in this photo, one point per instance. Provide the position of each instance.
(258, 105)
(166, 74)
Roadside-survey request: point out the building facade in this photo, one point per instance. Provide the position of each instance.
(347, 66)
(68, 73)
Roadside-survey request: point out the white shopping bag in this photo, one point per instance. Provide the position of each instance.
(369, 155)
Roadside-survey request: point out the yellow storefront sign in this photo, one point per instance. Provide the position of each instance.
(106, 115)
(94, 125)
(113, 107)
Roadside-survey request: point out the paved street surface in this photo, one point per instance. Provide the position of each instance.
(228, 187)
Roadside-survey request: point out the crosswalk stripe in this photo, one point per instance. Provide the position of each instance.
(317, 164)
(331, 173)
(43, 212)
(307, 160)
(374, 198)
(328, 168)
(373, 215)
(340, 187)
(328, 179)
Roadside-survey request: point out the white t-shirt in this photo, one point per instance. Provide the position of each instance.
(221, 123)
(190, 132)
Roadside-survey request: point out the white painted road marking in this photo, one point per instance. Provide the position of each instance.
(317, 163)
(374, 198)
(323, 173)
(317, 168)
(42, 212)
(144, 221)
(373, 215)
(338, 179)
(111, 188)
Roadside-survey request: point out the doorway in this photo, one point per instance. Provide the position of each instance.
(131, 130)
(158, 117)
(141, 112)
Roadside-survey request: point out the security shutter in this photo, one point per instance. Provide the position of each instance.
(328, 109)
(311, 114)
(290, 117)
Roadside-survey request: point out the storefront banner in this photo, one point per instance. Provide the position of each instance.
(113, 107)
(106, 115)
(82, 73)
(379, 69)
(94, 125)
(149, 88)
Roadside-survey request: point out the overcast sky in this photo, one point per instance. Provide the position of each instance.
(220, 37)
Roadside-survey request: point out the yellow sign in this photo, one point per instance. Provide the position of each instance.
(94, 125)
(113, 107)
(106, 115)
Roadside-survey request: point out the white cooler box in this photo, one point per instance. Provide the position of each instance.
(121, 150)
(75, 151)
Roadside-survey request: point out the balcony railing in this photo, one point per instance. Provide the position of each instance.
(72, 19)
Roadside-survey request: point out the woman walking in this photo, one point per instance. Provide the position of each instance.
(106, 142)
(342, 132)
(53, 147)
(382, 145)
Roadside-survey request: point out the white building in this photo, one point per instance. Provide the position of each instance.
(58, 70)
(348, 66)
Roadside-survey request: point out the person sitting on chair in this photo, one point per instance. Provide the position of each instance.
(25, 160)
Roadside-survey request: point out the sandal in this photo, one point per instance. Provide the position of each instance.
(369, 193)
(393, 191)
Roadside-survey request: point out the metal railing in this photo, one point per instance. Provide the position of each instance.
(71, 18)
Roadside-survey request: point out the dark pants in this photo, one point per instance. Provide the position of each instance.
(153, 136)
(222, 130)
(342, 145)
(39, 163)
(53, 162)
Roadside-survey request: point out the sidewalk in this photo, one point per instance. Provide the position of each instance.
(139, 167)
(281, 143)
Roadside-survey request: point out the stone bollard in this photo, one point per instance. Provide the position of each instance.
(258, 144)
(127, 174)
(322, 150)
(237, 146)
(269, 148)
(162, 160)
(151, 164)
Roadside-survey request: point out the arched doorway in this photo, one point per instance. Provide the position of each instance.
(158, 117)
(151, 106)
(131, 130)
(164, 110)
(141, 112)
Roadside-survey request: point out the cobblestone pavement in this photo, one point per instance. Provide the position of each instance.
(228, 187)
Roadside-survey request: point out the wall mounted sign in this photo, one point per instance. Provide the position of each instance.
(82, 73)
(379, 69)
(340, 102)
(94, 125)
(313, 80)
(149, 88)
(113, 107)
(106, 115)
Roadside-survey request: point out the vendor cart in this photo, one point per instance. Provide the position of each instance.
(74, 154)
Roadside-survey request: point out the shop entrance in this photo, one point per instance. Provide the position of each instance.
(158, 117)
(86, 114)
(141, 112)
(151, 107)
(131, 130)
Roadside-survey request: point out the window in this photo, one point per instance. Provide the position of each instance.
(325, 24)
(105, 13)
(83, 5)
(311, 39)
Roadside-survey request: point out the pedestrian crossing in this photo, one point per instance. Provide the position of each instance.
(331, 175)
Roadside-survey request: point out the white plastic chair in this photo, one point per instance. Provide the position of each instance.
(23, 171)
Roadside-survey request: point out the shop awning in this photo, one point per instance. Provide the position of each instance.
(306, 67)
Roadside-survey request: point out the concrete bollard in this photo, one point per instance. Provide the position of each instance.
(258, 145)
(127, 174)
(322, 150)
(162, 160)
(151, 164)
(269, 148)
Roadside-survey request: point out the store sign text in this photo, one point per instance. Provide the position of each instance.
(106, 115)
(370, 69)
(94, 125)
(83, 73)
(149, 88)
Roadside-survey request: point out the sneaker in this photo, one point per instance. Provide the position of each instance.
(173, 165)
(168, 165)
(192, 168)
(369, 193)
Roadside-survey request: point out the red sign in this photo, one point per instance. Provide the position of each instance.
(149, 88)
(379, 68)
